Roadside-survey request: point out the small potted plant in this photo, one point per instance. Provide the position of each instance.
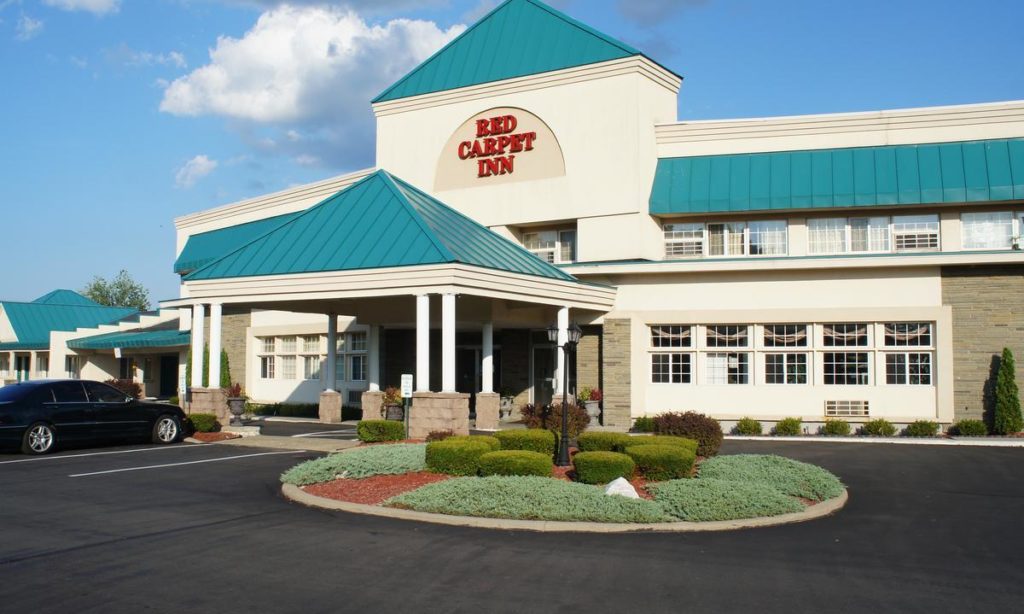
(590, 398)
(392, 408)
(508, 401)
(236, 403)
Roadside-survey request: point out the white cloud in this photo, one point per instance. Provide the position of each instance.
(306, 70)
(27, 28)
(79, 62)
(96, 7)
(194, 170)
(132, 58)
(652, 12)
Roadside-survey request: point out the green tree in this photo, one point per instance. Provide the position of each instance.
(225, 368)
(1007, 417)
(119, 291)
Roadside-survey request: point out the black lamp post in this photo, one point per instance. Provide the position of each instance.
(572, 339)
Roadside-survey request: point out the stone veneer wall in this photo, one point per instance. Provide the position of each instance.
(588, 358)
(616, 371)
(233, 332)
(988, 315)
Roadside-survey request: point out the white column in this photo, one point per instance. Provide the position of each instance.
(487, 359)
(373, 357)
(423, 343)
(447, 343)
(198, 316)
(563, 336)
(215, 344)
(331, 377)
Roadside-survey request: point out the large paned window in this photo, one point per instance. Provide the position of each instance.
(727, 336)
(288, 367)
(43, 365)
(72, 367)
(267, 367)
(878, 234)
(762, 238)
(554, 246)
(789, 368)
(785, 335)
(668, 364)
(910, 368)
(991, 230)
(845, 335)
(303, 357)
(847, 368)
(727, 367)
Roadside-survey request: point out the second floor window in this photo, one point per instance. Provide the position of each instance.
(554, 246)
(901, 233)
(764, 238)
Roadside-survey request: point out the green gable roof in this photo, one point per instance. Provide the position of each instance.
(518, 38)
(133, 339)
(378, 222)
(33, 322)
(206, 247)
(961, 172)
(65, 297)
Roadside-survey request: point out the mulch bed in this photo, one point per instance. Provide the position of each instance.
(374, 490)
(214, 437)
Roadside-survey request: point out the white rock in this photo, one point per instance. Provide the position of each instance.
(621, 487)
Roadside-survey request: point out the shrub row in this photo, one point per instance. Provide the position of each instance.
(515, 462)
(526, 452)
(533, 440)
(707, 432)
(660, 462)
(203, 423)
(373, 431)
(834, 427)
(601, 467)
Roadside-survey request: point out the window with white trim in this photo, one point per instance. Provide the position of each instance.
(873, 234)
(788, 368)
(311, 366)
(908, 334)
(288, 367)
(727, 367)
(846, 368)
(311, 344)
(554, 246)
(845, 335)
(357, 363)
(671, 367)
(727, 336)
(72, 367)
(761, 238)
(43, 365)
(147, 370)
(288, 345)
(785, 335)
(908, 368)
(5, 364)
(267, 367)
(988, 230)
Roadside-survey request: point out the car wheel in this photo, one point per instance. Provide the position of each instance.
(38, 439)
(167, 429)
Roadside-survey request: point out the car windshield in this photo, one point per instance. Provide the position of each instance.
(15, 392)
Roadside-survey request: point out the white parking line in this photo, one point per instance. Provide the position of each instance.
(209, 460)
(55, 458)
(326, 433)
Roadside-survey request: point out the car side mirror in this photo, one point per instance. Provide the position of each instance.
(129, 399)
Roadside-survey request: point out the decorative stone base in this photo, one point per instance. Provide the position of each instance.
(330, 407)
(210, 401)
(438, 411)
(487, 405)
(372, 400)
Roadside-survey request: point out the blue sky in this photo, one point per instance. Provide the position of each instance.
(121, 115)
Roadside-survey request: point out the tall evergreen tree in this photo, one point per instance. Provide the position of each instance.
(225, 368)
(1007, 417)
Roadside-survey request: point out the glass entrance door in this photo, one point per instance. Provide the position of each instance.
(21, 367)
(543, 374)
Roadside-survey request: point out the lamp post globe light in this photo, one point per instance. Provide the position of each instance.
(572, 340)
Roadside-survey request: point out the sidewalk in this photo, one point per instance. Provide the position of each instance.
(310, 444)
(991, 442)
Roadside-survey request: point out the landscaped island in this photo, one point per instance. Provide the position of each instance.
(510, 475)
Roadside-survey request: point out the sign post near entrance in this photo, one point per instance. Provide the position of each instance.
(407, 398)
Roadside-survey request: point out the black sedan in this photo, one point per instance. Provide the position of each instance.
(40, 415)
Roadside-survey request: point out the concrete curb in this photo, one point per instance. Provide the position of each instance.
(905, 441)
(826, 508)
(299, 444)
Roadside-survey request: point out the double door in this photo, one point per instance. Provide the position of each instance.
(22, 366)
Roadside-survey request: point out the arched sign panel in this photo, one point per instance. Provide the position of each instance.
(498, 146)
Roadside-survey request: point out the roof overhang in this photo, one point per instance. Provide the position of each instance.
(397, 281)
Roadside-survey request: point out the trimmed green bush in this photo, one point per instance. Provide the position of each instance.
(879, 427)
(834, 427)
(788, 427)
(661, 462)
(969, 428)
(456, 457)
(439, 435)
(643, 424)
(708, 499)
(372, 431)
(1006, 416)
(657, 440)
(921, 428)
(601, 467)
(785, 475)
(534, 440)
(492, 442)
(748, 426)
(393, 459)
(204, 423)
(527, 498)
(602, 441)
(707, 432)
(516, 462)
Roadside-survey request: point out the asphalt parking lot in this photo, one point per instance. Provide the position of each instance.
(204, 529)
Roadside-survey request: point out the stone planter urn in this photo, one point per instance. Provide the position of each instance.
(505, 409)
(236, 405)
(593, 409)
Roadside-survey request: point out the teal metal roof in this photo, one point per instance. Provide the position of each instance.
(17, 345)
(65, 297)
(963, 172)
(206, 247)
(380, 221)
(518, 38)
(133, 339)
(33, 322)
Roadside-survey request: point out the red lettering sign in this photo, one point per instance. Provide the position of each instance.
(495, 145)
